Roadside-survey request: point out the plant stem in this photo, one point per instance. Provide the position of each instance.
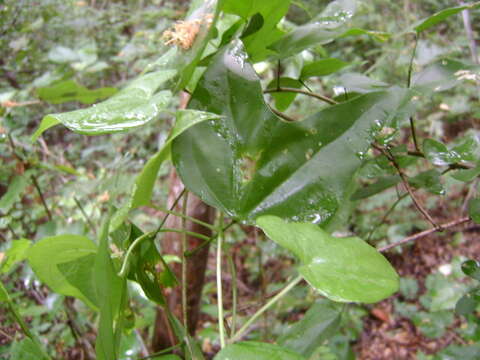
(84, 213)
(221, 326)
(282, 115)
(409, 82)
(303, 92)
(205, 243)
(184, 263)
(264, 308)
(425, 233)
(234, 294)
(189, 218)
(171, 208)
(42, 198)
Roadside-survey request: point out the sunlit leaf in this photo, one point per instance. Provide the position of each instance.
(16, 253)
(133, 106)
(251, 350)
(46, 255)
(342, 269)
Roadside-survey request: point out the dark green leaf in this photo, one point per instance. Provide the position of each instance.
(15, 190)
(342, 269)
(467, 303)
(467, 174)
(284, 99)
(16, 253)
(45, 256)
(255, 24)
(322, 30)
(133, 106)
(322, 67)
(70, 90)
(381, 184)
(429, 180)
(472, 269)
(250, 350)
(438, 17)
(251, 163)
(320, 322)
(272, 11)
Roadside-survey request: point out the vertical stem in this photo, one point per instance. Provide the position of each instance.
(42, 198)
(409, 82)
(264, 308)
(221, 326)
(234, 295)
(84, 213)
(278, 74)
(184, 263)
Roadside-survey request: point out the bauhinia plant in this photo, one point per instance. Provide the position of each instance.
(295, 180)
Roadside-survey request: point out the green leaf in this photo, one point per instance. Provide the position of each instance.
(429, 180)
(251, 162)
(284, 99)
(145, 181)
(438, 17)
(133, 106)
(468, 302)
(4, 297)
(15, 254)
(322, 67)
(15, 190)
(46, 255)
(109, 291)
(467, 174)
(323, 29)
(320, 322)
(70, 90)
(251, 350)
(259, 34)
(191, 348)
(342, 269)
(359, 83)
(26, 349)
(377, 35)
(471, 268)
(375, 188)
(438, 154)
(439, 76)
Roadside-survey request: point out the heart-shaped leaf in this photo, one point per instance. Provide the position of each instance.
(250, 162)
(342, 269)
(251, 350)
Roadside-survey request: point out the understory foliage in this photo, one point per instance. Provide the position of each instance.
(334, 135)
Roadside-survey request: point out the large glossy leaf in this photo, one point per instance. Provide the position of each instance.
(262, 30)
(323, 29)
(320, 322)
(251, 350)
(342, 269)
(48, 254)
(251, 162)
(145, 181)
(133, 106)
(440, 16)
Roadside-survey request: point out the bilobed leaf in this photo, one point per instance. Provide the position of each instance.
(251, 350)
(16, 253)
(251, 163)
(133, 106)
(70, 90)
(46, 255)
(342, 269)
(15, 190)
(319, 323)
(438, 17)
(323, 29)
(322, 67)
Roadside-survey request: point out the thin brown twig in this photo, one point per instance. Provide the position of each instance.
(303, 92)
(425, 233)
(42, 198)
(404, 178)
(282, 115)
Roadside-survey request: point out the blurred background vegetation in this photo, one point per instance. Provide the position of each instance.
(63, 182)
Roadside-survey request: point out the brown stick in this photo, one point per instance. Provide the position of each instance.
(425, 233)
